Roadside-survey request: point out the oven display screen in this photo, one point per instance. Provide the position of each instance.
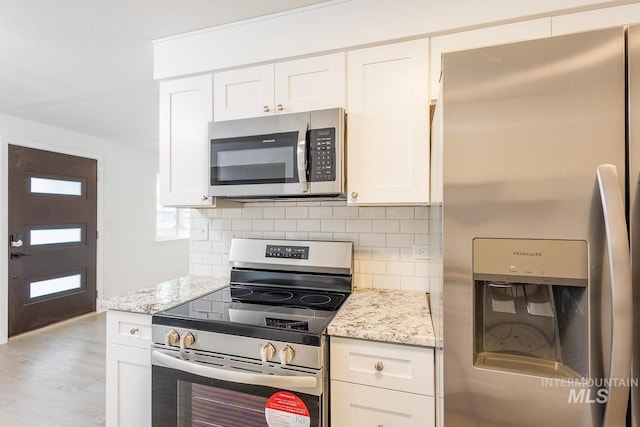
(287, 324)
(296, 252)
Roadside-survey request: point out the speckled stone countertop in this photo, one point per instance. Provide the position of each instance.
(386, 315)
(164, 295)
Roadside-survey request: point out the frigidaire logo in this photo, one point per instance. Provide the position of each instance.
(268, 140)
(526, 253)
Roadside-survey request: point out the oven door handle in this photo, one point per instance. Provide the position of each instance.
(276, 381)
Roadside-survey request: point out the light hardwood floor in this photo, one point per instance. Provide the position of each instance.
(55, 376)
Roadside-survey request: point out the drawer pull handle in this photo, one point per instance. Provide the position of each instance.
(133, 331)
(379, 366)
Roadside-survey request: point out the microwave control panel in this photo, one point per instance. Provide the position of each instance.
(322, 155)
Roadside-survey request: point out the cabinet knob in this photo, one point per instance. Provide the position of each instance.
(205, 198)
(265, 109)
(133, 331)
(379, 366)
(280, 107)
(354, 194)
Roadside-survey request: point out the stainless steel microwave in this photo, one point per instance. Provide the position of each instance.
(288, 155)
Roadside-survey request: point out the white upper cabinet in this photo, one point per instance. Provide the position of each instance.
(286, 87)
(185, 111)
(388, 124)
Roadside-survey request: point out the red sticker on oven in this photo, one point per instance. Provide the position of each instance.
(285, 409)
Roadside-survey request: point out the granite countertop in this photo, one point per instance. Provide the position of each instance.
(386, 315)
(164, 295)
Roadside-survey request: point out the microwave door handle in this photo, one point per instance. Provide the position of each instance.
(621, 301)
(302, 158)
(275, 381)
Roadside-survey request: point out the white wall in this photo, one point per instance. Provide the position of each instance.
(383, 238)
(129, 258)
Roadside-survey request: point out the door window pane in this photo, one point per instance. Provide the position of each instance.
(52, 286)
(55, 235)
(56, 186)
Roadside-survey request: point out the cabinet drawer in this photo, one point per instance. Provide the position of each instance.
(130, 329)
(358, 405)
(392, 366)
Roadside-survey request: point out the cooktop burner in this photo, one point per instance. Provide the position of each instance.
(296, 297)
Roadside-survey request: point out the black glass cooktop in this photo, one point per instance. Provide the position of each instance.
(291, 315)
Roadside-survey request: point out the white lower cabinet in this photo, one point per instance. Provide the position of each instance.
(380, 384)
(128, 400)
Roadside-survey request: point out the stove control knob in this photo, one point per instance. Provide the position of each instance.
(267, 351)
(171, 338)
(286, 355)
(187, 340)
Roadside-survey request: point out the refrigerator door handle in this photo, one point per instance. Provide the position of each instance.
(621, 298)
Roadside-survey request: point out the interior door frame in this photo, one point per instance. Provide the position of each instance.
(4, 220)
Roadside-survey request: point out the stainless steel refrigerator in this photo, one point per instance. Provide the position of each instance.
(541, 161)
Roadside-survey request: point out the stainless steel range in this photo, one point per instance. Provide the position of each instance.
(253, 353)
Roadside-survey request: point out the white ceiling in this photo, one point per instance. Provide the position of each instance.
(86, 65)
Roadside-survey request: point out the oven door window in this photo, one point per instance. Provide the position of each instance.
(184, 399)
(261, 159)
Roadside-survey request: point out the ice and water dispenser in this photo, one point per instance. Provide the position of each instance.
(530, 306)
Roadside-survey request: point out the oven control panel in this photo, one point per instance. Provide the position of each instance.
(280, 251)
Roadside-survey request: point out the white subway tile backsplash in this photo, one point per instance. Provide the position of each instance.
(414, 226)
(363, 281)
(383, 237)
(359, 225)
(231, 213)
(401, 268)
(333, 225)
(263, 224)
(308, 225)
(252, 212)
(373, 239)
(373, 212)
(373, 267)
(284, 224)
(297, 212)
(394, 212)
(242, 224)
(297, 235)
(275, 235)
(345, 212)
(347, 237)
(385, 254)
(273, 212)
(414, 283)
(385, 226)
(400, 240)
(321, 236)
(321, 212)
(386, 282)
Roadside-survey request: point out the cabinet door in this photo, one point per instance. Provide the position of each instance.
(357, 405)
(310, 84)
(388, 124)
(247, 92)
(185, 111)
(128, 399)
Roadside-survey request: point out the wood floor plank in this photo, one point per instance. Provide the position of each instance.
(55, 376)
